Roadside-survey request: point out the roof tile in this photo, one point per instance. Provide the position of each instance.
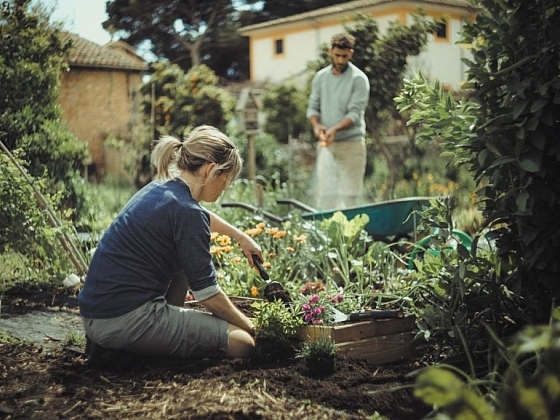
(113, 55)
(349, 6)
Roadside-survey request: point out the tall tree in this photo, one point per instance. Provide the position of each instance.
(32, 58)
(275, 9)
(179, 30)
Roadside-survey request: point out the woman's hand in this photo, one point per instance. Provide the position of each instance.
(250, 248)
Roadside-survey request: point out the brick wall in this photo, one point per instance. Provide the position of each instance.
(97, 103)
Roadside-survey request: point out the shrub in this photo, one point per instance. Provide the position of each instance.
(285, 107)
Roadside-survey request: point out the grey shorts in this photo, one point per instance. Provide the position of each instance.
(159, 329)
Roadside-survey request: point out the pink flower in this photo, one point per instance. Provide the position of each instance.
(306, 307)
(314, 298)
(317, 321)
(316, 311)
(307, 318)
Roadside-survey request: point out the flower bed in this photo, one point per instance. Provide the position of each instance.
(377, 341)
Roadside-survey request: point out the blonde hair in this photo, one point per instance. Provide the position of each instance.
(205, 144)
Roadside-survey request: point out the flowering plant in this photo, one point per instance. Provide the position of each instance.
(314, 311)
(316, 308)
(281, 252)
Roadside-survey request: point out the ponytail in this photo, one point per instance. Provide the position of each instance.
(165, 156)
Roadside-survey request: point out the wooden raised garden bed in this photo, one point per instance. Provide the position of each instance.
(377, 341)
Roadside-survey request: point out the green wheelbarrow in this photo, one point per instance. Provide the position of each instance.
(388, 220)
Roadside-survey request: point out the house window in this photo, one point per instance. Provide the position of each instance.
(279, 47)
(441, 31)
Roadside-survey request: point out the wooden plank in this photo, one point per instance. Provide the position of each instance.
(374, 328)
(359, 330)
(379, 350)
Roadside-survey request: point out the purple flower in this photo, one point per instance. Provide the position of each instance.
(306, 307)
(307, 317)
(314, 298)
(316, 311)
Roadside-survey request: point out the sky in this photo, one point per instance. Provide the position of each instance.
(83, 17)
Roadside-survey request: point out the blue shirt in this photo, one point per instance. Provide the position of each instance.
(161, 230)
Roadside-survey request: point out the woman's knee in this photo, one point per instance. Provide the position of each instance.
(240, 344)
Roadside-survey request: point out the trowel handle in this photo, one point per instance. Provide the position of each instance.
(376, 314)
(262, 272)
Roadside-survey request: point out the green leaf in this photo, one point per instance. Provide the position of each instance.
(519, 107)
(531, 162)
(443, 389)
(521, 200)
(538, 105)
(462, 271)
(501, 161)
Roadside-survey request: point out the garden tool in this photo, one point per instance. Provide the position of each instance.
(365, 315)
(273, 289)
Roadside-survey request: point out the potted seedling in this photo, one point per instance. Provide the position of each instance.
(319, 355)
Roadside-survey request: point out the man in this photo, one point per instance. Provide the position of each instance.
(339, 96)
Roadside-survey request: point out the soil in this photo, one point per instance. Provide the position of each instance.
(43, 377)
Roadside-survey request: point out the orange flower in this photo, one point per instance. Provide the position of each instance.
(219, 250)
(223, 240)
(290, 249)
(237, 260)
(279, 234)
(254, 232)
(272, 231)
(216, 250)
(261, 225)
(254, 291)
(272, 255)
(214, 235)
(266, 265)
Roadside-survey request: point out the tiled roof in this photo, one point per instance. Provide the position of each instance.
(352, 6)
(113, 55)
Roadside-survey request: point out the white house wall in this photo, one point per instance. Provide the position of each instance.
(442, 60)
(301, 45)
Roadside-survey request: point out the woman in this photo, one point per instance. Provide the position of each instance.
(158, 247)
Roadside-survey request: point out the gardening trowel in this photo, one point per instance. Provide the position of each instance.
(273, 289)
(365, 315)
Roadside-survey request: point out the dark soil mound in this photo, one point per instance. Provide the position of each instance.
(61, 383)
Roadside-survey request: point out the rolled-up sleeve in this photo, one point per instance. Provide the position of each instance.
(193, 250)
